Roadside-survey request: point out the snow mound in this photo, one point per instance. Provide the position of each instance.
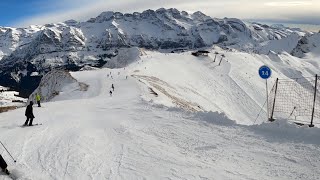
(215, 118)
(279, 131)
(283, 131)
(53, 83)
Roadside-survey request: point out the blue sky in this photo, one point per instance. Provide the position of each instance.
(12, 11)
(21, 13)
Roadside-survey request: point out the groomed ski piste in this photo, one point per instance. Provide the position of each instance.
(176, 116)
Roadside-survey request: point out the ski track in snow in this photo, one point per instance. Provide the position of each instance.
(95, 136)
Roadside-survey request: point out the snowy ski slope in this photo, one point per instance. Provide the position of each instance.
(234, 87)
(136, 134)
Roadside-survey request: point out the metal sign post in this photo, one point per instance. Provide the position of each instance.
(265, 73)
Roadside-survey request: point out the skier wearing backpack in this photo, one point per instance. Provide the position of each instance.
(3, 165)
(29, 114)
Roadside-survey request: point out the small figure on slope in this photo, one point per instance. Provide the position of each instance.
(29, 114)
(112, 87)
(110, 93)
(38, 98)
(4, 165)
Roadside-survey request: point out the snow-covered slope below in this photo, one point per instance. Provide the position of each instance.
(90, 135)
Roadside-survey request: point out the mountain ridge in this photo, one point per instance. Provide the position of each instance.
(72, 45)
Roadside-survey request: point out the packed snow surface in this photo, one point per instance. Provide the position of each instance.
(162, 122)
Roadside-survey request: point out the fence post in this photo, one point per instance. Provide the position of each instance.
(314, 101)
(274, 101)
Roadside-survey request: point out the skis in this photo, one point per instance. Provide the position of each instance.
(38, 124)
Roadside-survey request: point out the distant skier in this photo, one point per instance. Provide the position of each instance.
(126, 77)
(29, 114)
(110, 93)
(38, 98)
(112, 87)
(4, 165)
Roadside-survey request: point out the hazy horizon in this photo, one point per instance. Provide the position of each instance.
(306, 27)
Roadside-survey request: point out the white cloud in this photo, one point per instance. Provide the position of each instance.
(289, 3)
(84, 9)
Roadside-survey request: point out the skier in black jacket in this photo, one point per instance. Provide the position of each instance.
(3, 165)
(29, 114)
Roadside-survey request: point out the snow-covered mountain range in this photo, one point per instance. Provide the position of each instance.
(28, 53)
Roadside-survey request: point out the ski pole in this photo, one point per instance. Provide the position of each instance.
(8, 152)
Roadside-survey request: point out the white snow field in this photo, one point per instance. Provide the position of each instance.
(156, 125)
